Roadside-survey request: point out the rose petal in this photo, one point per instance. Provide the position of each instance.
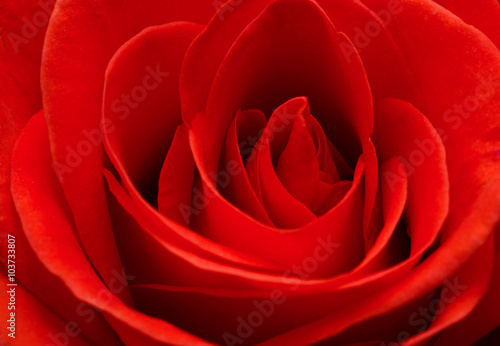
(74, 61)
(46, 287)
(483, 14)
(278, 247)
(337, 89)
(484, 318)
(213, 44)
(465, 112)
(176, 178)
(425, 223)
(385, 66)
(164, 44)
(458, 302)
(21, 42)
(34, 323)
(241, 138)
(49, 228)
(142, 108)
(402, 131)
(394, 197)
(283, 208)
(221, 108)
(305, 167)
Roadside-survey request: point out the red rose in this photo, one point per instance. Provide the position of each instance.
(283, 172)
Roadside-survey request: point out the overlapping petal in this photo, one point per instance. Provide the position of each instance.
(75, 58)
(356, 215)
(49, 228)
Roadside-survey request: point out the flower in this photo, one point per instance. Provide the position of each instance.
(251, 172)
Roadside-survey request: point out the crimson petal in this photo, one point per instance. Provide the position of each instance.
(49, 228)
(74, 60)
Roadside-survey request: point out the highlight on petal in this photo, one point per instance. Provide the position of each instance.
(482, 14)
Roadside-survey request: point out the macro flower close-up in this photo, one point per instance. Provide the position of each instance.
(250, 172)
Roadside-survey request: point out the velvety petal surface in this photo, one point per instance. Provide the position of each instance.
(138, 155)
(74, 62)
(273, 70)
(50, 231)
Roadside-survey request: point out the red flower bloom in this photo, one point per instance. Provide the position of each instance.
(276, 172)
